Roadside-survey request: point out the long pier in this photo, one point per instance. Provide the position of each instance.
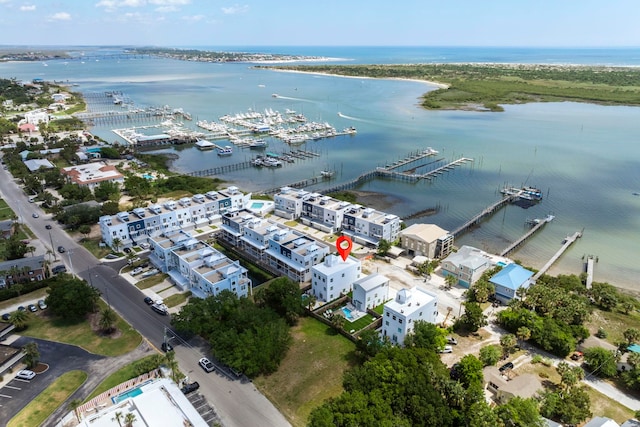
(589, 281)
(568, 241)
(485, 212)
(412, 158)
(538, 225)
(221, 169)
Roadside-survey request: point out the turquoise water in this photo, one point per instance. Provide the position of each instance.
(147, 176)
(585, 158)
(123, 396)
(257, 205)
(347, 313)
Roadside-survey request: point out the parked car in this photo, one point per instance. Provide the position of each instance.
(42, 304)
(6, 317)
(446, 349)
(32, 308)
(166, 347)
(235, 372)
(59, 269)
(506, 367)
(160, 309)
(35, 215)
(577, 355)
(206, 364)
(127, 250)
(25, 374)
(21, 308)
(61, 249)
(148, 300)
(48, 226)
(136, 270)
(144, 245)
(188, 388)
(452, 341)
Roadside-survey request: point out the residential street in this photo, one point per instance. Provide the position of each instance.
(237, 404)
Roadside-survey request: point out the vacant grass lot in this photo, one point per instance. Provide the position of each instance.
(151, 281)
(81, 334)
(40, 408)
(310, 373)
(614, 323)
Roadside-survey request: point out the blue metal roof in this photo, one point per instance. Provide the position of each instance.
(512, 276)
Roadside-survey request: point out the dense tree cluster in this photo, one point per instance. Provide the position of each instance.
(71, 299)
(284, 296)
(243, 335)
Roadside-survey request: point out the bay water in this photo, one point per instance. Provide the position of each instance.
(585, 158)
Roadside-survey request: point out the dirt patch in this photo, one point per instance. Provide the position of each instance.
(94, 321)
(40, 368)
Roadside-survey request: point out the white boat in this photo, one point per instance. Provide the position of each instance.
(326, 173)
(275, 95)
(226, 151)
(258, 144)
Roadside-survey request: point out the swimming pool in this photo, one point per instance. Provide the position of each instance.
(347, 313)
(130, 393)
(500, 263)
(257, 205)
(147, 176)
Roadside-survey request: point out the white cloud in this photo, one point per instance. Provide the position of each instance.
(60, 16)
(193, 18)
(29, 8)
(113, 4)
(235, 9)
(170, 2)
(166, 9)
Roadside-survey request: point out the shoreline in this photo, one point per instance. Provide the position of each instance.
(317, 73)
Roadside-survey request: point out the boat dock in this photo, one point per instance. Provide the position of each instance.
(568, 241)
(412, 157)
(589, 271)
(537, 225)
(485, 212)
(221, 169)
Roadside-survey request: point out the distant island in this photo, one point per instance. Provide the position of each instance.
(484, 87)
(213, 56)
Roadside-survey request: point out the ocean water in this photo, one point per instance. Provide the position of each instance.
(586, 158)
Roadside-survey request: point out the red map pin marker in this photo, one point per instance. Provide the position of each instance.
(344, 245)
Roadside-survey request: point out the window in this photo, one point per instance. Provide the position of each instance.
(400, 320)
(331, 280)
(394, 317)
(399, 330)
(386, 323)
(387, 314)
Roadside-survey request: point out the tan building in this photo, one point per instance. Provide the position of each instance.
(503, 389)
(426, 240)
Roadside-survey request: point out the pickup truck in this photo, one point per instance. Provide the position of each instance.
(160, 308)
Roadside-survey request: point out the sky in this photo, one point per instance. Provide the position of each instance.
(538, 23)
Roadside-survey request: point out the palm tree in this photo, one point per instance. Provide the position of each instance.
(172, 363)
(107, 320)
(73, 405)
(129, 419)
(118, 417)
(338, 321)
(311, 301)
(523, 333)
(19, 319)
(115, 243)
(31, 354)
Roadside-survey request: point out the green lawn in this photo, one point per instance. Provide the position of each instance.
(310, 373)
(40, 408)
(93, 246)
(5, 211)
(121, 375)
(151, 281)
(81, 334)
(358, 324)
(614, 323)
(176, 299)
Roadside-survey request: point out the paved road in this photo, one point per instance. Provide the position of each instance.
(237, 403)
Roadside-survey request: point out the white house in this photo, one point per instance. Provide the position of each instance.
(409, 306)
(370, 291)
(93, 174)
(334, 277)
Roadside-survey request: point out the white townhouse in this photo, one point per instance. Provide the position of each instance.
(197, 267)
(288, 202)
(370, 291)
(323, 212)
(139, 224)
(293, 253)
(368, 226)
(409, 306)
(334, 277)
